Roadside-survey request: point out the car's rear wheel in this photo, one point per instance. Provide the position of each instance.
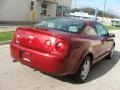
(82, 74)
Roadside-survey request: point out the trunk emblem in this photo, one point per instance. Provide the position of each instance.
(30, 37)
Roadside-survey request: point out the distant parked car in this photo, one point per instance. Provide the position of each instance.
(116, 22)
(63, 46)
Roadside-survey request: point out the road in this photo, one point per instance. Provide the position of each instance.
(14, 76)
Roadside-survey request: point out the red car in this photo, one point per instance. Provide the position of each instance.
(63, 46)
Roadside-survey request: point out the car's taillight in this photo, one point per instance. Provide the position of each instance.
(16, 37)
(61, 47)
(48, 43)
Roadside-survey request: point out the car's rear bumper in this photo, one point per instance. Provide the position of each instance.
(51, 64)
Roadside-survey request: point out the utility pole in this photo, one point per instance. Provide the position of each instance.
(104, 10)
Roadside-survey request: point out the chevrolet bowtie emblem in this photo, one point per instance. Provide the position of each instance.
(30, 37)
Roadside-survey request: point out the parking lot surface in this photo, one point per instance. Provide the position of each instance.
(105, 75)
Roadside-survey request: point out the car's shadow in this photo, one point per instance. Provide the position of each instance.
(103, 67)
(97, 70)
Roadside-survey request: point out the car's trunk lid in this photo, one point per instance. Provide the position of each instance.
(38, 38)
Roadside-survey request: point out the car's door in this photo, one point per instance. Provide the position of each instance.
(95, 42)
(103, 35)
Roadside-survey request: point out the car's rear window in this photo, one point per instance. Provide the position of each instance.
(63, 25)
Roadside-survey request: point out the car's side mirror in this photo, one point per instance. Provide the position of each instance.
(111, 35)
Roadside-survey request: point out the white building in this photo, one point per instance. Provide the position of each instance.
(82, 15)
(33, 10)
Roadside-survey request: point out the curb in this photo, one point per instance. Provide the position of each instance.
(7, 31)
(5, 42)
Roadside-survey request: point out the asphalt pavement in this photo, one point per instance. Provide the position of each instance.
(105, 75)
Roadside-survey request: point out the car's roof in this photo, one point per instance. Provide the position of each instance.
(71, 19)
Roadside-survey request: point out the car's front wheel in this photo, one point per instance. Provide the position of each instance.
(110, 55)
(82, 74)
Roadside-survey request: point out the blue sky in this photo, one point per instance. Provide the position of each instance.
(112, 6)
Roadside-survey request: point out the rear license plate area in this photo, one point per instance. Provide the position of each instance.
(26, 56)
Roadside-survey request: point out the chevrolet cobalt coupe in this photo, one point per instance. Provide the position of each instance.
(63, 46)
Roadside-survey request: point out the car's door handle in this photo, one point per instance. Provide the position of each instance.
(103, 40)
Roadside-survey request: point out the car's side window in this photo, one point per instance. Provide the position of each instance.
(91, 32)
(101, 30)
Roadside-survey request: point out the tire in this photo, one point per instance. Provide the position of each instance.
(110, 55)
(82, 74)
